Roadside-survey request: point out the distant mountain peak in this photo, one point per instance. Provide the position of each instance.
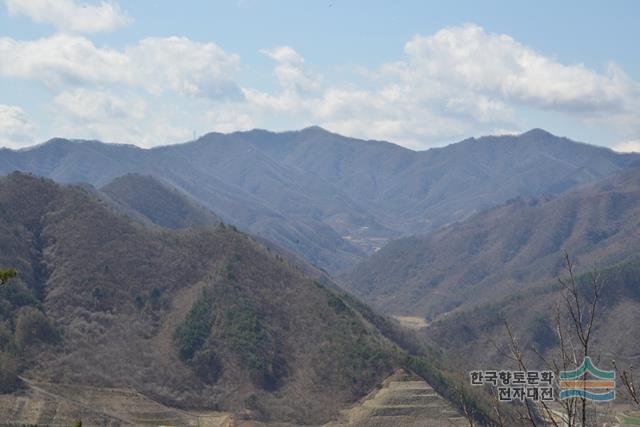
(314, 128)
(49, 142)
(308, 131)
(60, 142)
(537, 133)
(259, 131)
(256, 131)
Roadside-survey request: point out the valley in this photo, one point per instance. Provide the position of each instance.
(501, 250)
(244, 213)
(331, 199)
(149, 308)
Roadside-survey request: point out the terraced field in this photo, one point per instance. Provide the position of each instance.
(45, 404)
(404, 400)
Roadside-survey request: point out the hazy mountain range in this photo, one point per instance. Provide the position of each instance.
(137, 278)
(330, 198)
(502, 249)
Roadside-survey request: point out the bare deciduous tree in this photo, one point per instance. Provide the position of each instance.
(629, 382)
(582, 316)
(574, 329)
(460, 390)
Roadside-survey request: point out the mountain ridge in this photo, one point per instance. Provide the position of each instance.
(503, 247)
(329, 198)
(161, 204)
(119, 303)
(535, 132)
(206, 319)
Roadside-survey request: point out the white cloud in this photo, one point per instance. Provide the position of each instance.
(290, 70)
(15, 130)
(155, 64)
(461, 80)
(98, 114)
(480, 108)
(70, 15)
(90, 106)
(407, 111)
(101, 114)
(228, 121)
(457, 82)
(185, 66)
(284, 55)
(495, 64)
(63, 60)
(628, 147)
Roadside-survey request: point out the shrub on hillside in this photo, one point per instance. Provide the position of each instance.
(542, 333)
(32, 326)
(192, 334)
(206, 365)
(242, 330)
(239, 328)
(9, 380)
(6, 275)
(15, 294)
(6, 338)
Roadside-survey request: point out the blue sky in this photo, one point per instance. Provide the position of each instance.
(420, 74)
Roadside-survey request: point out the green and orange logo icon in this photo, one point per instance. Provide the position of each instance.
(588, 382)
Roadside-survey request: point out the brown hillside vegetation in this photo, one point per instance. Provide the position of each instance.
(480, 339)
(126, 301)
(330, 198)
(159, 203)
(148, 201)
(497, 251)
(203, 319)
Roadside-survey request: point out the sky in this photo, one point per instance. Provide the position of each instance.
(420, 74)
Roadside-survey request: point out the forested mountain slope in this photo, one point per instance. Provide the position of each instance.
(500, 250)
(330, 198)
